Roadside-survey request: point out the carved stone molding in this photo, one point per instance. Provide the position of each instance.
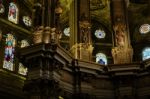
(38, 35)
(122, 55)
(46, 35)
(82, 51)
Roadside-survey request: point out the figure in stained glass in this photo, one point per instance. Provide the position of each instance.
(13, 13)
(9, 52)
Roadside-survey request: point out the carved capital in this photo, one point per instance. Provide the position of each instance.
(38, 35)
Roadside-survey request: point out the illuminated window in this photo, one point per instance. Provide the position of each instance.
(24, 43)
(100, 34)
(60, 97)
(67, 31)
(22, 69)
(27, 20)
(145, 28)
(2, 8)
(9, 52)
(101, 58)
(13, 13)
(146, 53)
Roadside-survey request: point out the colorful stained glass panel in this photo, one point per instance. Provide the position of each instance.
(13, 13)
(9, 52)
(146, 53)
(101, 58)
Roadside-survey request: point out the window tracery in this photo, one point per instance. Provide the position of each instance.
(100, 33)
(144, 29)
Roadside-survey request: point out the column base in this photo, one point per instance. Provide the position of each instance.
(122, 54)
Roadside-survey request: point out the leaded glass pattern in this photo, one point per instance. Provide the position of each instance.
(144, 29)
(24, 43)
(67, 31)
(27, 20)
(13, 13)
(146, 53)
(100, 33)
(22, 69)
(101, 58)
(9, 52)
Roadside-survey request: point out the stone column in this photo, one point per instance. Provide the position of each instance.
(122, 51)
(80, 27)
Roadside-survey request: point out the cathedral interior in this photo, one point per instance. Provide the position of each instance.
(73, 49)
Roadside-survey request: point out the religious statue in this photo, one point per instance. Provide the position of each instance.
(120, 35)
(122, 53)
(85, 31)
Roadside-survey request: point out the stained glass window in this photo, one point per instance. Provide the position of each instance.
(2, 8)
(9, 52)
(101, 58)
(100, 33)
(24, 43)
(22, 69)
(146, 53)
(13, 13)
(145, 28)
(67, 31)
(27, 20)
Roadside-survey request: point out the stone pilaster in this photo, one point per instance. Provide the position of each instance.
(122, 52)
(81, 31)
